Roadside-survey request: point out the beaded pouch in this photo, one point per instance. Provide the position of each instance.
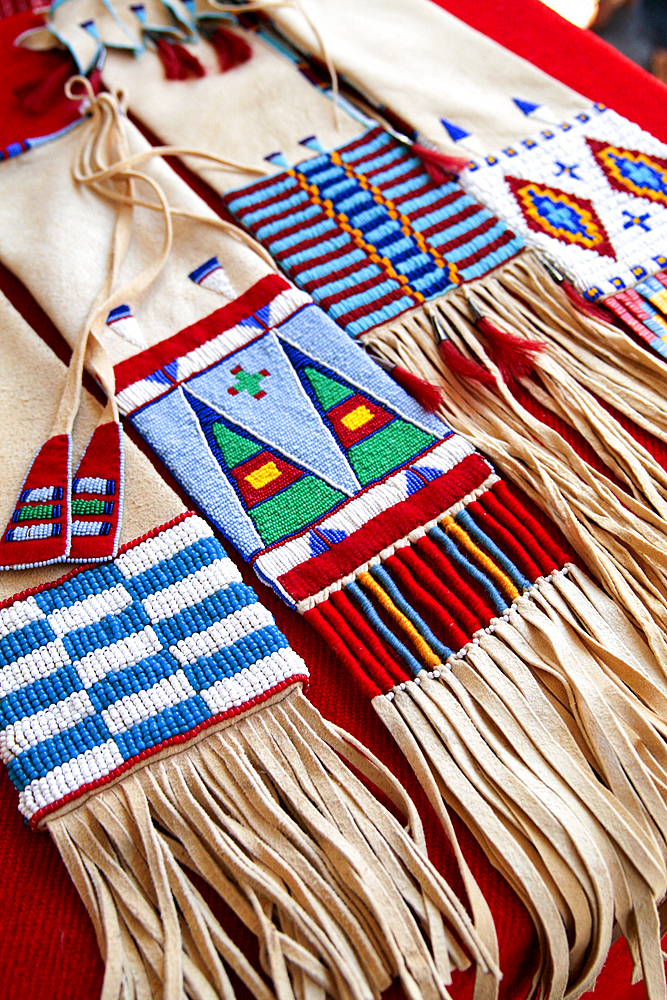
(153, 722)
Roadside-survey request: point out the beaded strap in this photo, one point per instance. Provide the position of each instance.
(111, 664)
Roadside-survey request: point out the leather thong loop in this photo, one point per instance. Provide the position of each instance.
(105, 165)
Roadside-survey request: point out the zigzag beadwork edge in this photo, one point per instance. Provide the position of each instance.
(113, 664)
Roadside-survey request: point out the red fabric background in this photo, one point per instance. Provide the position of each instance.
(47, 945)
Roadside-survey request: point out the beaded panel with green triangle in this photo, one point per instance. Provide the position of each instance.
(280, 496)
(374, 439)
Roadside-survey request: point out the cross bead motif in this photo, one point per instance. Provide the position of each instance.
(248, 381)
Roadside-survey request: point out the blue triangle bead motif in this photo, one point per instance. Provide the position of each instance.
(528, 107)
(455, 132)
(414, 481)
(317, 546)
(333, 535)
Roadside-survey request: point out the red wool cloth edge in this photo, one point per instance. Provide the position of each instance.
(48, 946)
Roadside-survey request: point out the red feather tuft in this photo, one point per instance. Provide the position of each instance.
(178, 62)
(464, 367)
(232, 50)
(427, 395)
(582, 304)
(514, 356)
(440, 167)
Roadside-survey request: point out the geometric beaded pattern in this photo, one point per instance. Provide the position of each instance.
(286, 434)
(104, 668)
(590, 193)
(39, 529)
(368, 234)
(97, 497)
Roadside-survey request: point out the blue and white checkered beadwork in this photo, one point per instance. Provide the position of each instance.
(102, 669)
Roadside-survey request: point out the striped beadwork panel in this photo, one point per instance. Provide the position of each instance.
(427, 600)
(368, 234)
(111, 664)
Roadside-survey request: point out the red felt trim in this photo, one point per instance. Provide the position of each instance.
(384, 529)
(547, 539)
(22, 70)
(380, 650)
(140, 365)
(504, 540)
(101, 459)
(358, 645)
(448, 601)
(507, 517)
(172, 741)
(471, 595)
(333, 636)
(49, 467)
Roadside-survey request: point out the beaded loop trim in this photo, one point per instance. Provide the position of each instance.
(111, 664)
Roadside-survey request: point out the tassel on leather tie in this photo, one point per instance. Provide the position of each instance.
(178, 62)
(457, 362)
(575, 297)
(426, 393)
(439, 166)
(513, 355)
(231, 49)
